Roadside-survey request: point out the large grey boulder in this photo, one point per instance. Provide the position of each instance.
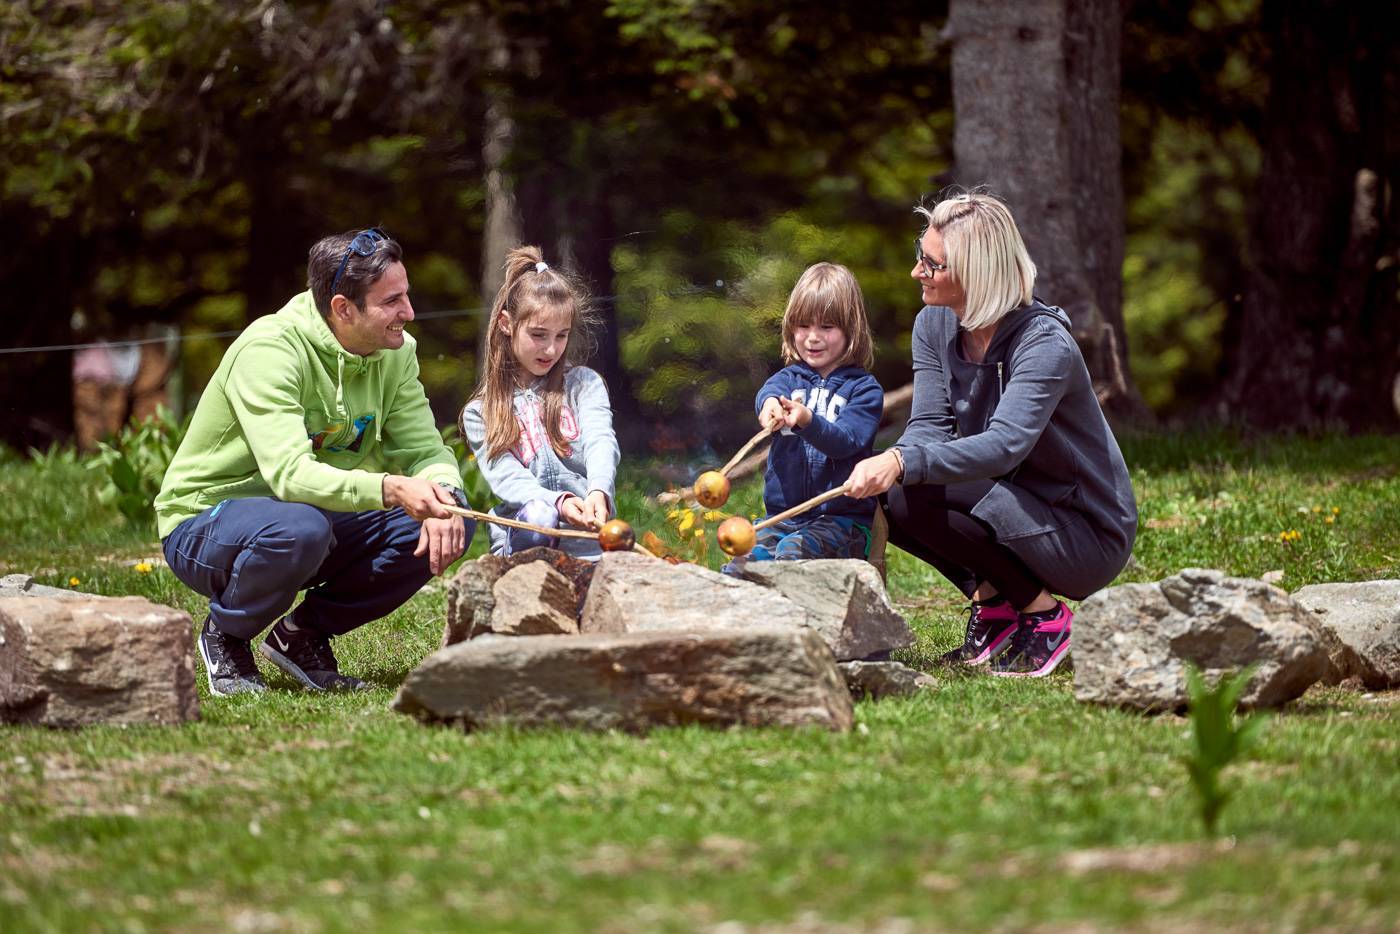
(1365, 619)
(842, 601)
(1132, 642)
(633, 681)
(845, 601)
(68, 662)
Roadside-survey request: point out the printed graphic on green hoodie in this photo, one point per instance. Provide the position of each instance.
(289, 413)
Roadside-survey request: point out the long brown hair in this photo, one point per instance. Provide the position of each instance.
(530, 289)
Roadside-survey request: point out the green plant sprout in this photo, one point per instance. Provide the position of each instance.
(1218, 739)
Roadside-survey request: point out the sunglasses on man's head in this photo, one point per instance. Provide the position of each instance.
(364, 244)
(921, 258)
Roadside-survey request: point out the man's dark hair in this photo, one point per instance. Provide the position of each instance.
(359, 274)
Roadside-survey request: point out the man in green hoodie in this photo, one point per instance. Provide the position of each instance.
(312, 463)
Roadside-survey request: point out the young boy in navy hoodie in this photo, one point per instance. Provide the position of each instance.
(827, 408)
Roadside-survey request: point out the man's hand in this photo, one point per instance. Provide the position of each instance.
(771, 416)
(795, 414)
(421, 499)
(873, 476)
(444, 540)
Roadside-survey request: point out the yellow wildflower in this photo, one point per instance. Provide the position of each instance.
(699, 533)
(143, 567)
(1317, 509)
(686, 522)
(1336, 510)
(1330, 519)
(1289, 535)
(713, 515)
(73, 582)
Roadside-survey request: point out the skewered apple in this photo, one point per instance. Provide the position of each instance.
(736, 536)
(712, 489)
(616, 535)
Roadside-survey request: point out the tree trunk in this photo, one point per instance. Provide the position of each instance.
(501, 231)
(36, 394)
(1035, 100)
(1317, 339)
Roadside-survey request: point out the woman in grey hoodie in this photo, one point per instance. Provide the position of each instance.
(1007, 478)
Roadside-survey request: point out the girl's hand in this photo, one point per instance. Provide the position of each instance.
(595, 509)
(873, 476)
(771, 417)
(795, 414)
(573, 510)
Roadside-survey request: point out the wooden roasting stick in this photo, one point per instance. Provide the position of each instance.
(529, 527)
(743, 451)
(801, 508)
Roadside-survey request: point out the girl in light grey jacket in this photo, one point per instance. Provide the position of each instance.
(1007, 478)
(539, 427)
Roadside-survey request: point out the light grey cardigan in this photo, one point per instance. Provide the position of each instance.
(1028, 418)
(533, 470)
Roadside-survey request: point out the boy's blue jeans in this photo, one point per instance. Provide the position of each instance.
(250, 557)
(814, 537)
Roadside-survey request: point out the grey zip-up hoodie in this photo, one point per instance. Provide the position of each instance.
(1028, 418)
(532, 470)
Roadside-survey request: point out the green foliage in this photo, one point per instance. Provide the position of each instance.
(473, 483)
(1217, 739)
(135, 461)
(55, 455)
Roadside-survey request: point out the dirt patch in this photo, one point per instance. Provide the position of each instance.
(131, 787)
(1154, 857)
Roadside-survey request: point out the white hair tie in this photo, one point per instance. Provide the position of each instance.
(541, 267)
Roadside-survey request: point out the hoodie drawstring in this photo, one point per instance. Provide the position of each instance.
(340, 386)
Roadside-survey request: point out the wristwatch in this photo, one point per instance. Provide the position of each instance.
(458, 496)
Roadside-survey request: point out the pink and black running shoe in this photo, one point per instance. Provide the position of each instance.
(990, 627)
(1040, 644)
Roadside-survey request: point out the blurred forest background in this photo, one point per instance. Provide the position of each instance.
(1207, 185)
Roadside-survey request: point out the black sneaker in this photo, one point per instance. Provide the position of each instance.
(229, 663)
(990, 627)
(307, 656)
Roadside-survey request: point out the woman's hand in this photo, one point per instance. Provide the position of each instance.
(873, 476)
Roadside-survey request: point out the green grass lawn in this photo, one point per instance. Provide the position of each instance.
(986, 803)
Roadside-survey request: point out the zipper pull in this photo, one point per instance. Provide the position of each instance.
(1000, 386)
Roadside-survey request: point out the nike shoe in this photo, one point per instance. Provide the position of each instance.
(1040, 644)
(307, 657)
(990, 627)
(228, 661)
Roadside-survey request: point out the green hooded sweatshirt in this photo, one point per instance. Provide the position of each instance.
(292, 414)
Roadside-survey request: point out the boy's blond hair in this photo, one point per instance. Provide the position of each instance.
(827, 293)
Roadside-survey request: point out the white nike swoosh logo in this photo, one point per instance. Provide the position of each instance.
(1059, 637)
(284, 646)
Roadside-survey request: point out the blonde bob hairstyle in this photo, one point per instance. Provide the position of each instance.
(827, 293)
(986, 255)
(531, 288)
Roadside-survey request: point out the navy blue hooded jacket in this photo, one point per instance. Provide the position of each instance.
(846, 408)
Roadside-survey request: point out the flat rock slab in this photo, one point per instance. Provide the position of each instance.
(878, 680)
(1132, 642)
(1365, 619)
(633, 681)
(22, 585)
(68, 662)
(844, 602)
